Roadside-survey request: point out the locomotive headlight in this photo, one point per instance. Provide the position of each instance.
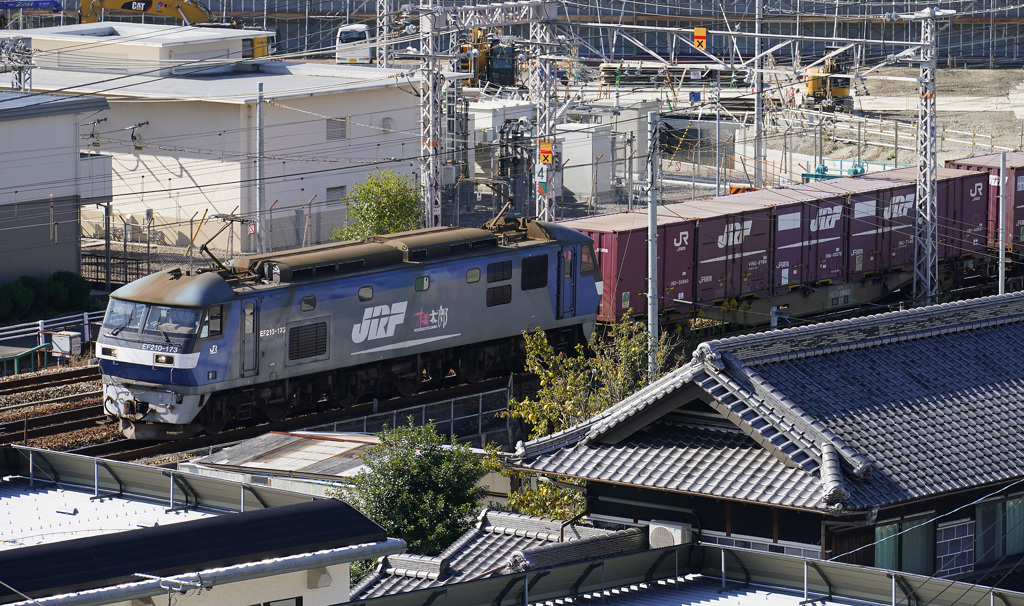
(109, 351)
(163, 359)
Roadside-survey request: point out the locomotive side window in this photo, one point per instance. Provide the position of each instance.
(502, 270)
(567, 255)
(473, 275)
(307, 341)
(308, 303)
(422, 283)
(213, 325)
(250, 318)
(365, 293)
(535, 272)
(499, 295)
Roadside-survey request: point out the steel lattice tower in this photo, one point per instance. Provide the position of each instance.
(926, 256)
(431, 89)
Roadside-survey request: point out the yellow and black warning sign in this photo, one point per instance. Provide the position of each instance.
(700, 38)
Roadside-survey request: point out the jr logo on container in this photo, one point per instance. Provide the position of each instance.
(899, 206)
(379, 322)
(734, 233)
(827, 218)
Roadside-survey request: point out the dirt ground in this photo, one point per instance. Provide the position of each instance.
(987, 85)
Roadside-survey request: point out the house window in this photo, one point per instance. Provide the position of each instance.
(337, 194)
(337, 129)
(999, 529)
(907, 545)
(535, 272)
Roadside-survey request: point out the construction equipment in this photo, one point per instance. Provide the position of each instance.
(489, 61)
(828, 85)
(191, 12)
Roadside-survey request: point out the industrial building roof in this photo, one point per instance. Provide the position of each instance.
(280, 80)
(75, 527)
(18, 105)
(852, 414)
(499, 543)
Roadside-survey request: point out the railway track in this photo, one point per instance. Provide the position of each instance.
(44, 381)
(51, 424)
(133, 450)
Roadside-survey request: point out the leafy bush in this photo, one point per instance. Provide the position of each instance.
(22, 298)
(75, 287)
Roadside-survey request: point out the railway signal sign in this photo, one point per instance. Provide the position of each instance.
(546, 157)
(700, 38)
(252, 229)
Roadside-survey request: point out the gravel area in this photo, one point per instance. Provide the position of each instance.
(986, 85)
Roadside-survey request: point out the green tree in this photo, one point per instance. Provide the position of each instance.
(576, 387)
(419, 489)
(386, 203)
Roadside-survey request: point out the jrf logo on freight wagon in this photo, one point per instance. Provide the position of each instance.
(899, 206)
(976, 191)
(379, 322)
(734, 233)
(827, 218)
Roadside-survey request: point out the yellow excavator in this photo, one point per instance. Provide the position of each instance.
(189, 11)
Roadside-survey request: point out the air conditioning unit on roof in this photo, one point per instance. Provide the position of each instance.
(668, 534)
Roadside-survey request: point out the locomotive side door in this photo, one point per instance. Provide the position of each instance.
(567, 282)
(250, 332)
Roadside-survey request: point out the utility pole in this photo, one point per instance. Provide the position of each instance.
(652, 240)
(542, 92)
(758, 97)
(259, 169)
(384, 15)
(926, 259)
(431, 88)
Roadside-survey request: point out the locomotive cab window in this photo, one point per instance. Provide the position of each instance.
(308, 303)
(422, 283)
(213, 325)
(365, 293)
(588, 264)
(473, 275)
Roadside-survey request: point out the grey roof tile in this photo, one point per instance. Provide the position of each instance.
(930, 399)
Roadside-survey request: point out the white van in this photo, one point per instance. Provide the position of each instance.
(353, 44)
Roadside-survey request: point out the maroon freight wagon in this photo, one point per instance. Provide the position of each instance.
(620, 243)
(810, 248)
(989, 163)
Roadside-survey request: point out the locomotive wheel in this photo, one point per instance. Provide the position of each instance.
(474, 364)
(406, 385)
(277, 410)
(215, 416)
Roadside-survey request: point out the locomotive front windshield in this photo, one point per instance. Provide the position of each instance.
(156, 320)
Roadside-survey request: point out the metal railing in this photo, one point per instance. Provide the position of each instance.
(479, 415)
(35, 338)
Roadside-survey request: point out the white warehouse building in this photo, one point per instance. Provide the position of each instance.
(186, 125)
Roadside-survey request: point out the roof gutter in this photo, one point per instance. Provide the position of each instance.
(208, 579)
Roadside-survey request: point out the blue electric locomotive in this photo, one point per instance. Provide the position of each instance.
(184, 352)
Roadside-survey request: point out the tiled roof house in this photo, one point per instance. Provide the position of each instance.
(893, 440)
(499, 543)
